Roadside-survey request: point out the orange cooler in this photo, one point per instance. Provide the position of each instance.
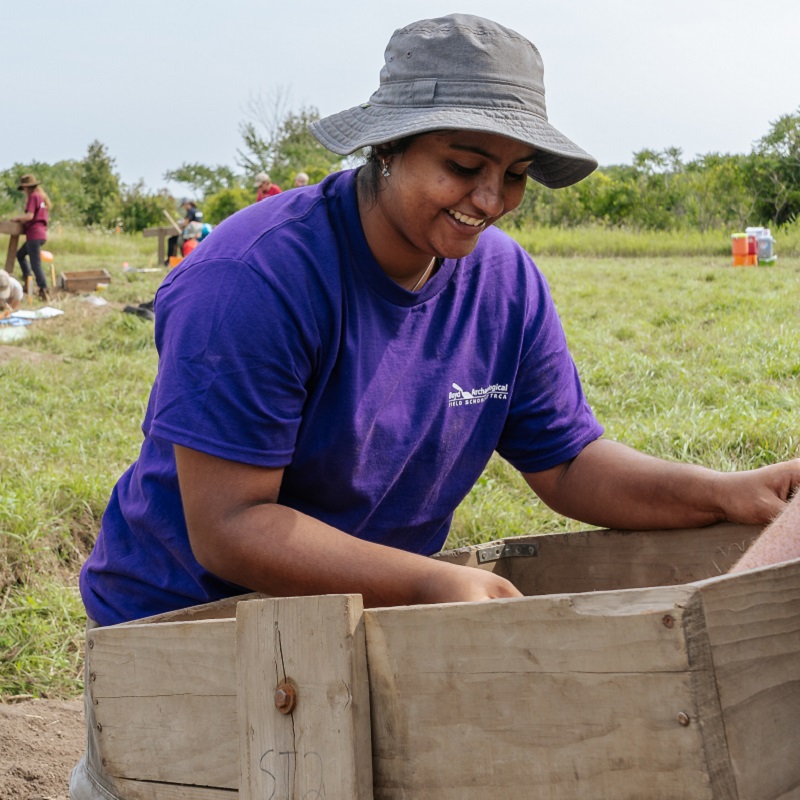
(739, 248)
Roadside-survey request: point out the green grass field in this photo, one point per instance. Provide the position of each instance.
(681, 356)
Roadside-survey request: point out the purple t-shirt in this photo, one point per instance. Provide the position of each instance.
(36, 228)
(282, 343)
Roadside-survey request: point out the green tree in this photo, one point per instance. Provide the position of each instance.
(203, 180)
(226, 202)
(61, 180)
(721, 191)
(278, 141)
(140, 209)
(101, 187)
(777, 170)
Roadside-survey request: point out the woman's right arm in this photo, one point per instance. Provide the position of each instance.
(239, 532)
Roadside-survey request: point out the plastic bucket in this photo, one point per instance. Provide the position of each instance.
(765, 243)
(739, 249)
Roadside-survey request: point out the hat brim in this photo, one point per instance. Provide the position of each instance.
(559, 163)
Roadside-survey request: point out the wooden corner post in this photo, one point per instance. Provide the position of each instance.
(303, 698)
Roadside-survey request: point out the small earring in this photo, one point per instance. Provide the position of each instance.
(385, 171)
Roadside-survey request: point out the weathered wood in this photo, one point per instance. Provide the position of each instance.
(163, 233)
(322, 747)
(165, 701)
(603, 560)
(753, 622)
(85, 280)
(14, 230)
(219, 609)
(141, 790)
(684, 692)
(559, 697)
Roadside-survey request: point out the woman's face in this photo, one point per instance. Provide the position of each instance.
(444, 190)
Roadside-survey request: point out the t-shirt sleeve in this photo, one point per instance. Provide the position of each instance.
(234, 361)
(550, 420)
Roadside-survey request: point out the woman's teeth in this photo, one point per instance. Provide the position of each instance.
(475, 223)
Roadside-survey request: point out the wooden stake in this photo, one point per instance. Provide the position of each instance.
(303, 698)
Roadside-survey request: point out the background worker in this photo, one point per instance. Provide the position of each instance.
(191, 214)
(265, 187)
(34, 226)
(10, 294)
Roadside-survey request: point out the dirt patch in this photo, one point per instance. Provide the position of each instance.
(40, 743)
(9, 352)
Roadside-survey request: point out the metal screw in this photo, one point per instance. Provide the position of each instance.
(669, 622)
(285, 698)
(91, 643)
(683, 719)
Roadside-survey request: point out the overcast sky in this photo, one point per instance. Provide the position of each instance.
(165, 83)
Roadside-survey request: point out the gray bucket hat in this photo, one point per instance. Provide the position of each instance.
(460, 72)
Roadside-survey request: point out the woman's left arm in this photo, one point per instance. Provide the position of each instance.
(614, 486)
(27, 217)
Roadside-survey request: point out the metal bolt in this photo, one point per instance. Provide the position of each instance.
(91, 643)
(669, 622)
(285, 698)
(683, 719)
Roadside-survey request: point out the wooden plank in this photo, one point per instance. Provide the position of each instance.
(142, 790)
(14, 230)
(219, 609)
(165, 701)
(11, 254)
(571, 697)
(164, 230)
(753, 623)
(604, 560)
(322, 747)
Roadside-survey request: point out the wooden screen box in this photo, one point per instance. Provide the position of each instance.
(85, 280)
(633, 669)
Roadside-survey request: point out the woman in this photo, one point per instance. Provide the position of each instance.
(372, 341)
(10, 294)
(34, 226)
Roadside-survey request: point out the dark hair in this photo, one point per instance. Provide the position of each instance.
(370, 174)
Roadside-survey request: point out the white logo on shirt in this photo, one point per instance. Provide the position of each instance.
(462, 397)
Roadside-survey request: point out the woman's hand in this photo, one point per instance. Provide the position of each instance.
(758, 496)
(455, 584)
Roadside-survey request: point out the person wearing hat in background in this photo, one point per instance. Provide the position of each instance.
(265, 187)
(34, 226)
(373, 340)
(191, 214)
(10, 294)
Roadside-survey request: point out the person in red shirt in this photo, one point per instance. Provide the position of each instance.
(34, 226)
(265, 187)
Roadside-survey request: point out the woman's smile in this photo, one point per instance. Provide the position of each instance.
(441, 192)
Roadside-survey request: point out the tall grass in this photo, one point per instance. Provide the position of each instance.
(609, 242)
(682, 357)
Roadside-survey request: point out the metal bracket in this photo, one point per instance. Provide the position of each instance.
(495, 552)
